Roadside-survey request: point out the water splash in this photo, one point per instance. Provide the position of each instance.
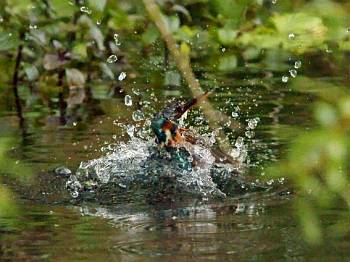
(297, 64)
(122, 76)
(285, 79)
(116, 39)
(86, 10)
(138, 115)
(139, 164)
(112, 59)
(293, 73)
(128, 100)
(253, 123)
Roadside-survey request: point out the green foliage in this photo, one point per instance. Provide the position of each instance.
(228, 63)
(66, 47)
(317, 160)
(7, 205)
(8, 41)
(10, 167)
(297, 33)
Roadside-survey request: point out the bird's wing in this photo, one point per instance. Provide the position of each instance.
(182, 109)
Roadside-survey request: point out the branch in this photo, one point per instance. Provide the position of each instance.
(183, 63)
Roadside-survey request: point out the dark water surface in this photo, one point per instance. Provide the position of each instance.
(253, 226)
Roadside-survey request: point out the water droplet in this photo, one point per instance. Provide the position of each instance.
(234, 114)
(297, 64)
(329, 51)
(270, 182)
(112, 59)
(235, 153)
(98, 22)
(122, 76)
(130, 129)
(249, 134)
(239, 142)
(75, 123)
(285, 79)
(32, 27)
(75, 194)
(128, 100)
(122, 185)
(293, 73)
(138, 115)
(116, 39)
(291, 36)
(223, 49)
(86, 10)
(252, 123)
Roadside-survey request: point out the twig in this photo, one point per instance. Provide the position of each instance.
(15, 84)
(61, 103)
(166, 57)
(184, 66)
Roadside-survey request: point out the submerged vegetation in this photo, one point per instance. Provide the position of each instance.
(65, 59)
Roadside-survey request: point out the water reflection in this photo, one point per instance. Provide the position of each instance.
(255, 226)
(198, 229)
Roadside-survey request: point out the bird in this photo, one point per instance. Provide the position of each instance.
(165, 124)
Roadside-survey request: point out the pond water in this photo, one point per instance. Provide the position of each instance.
(252, 225)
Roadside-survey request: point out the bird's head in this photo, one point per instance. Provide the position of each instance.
(165, 123)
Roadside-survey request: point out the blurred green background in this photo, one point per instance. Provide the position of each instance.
(62, 85)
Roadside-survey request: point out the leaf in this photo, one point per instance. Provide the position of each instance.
(52, 62)
(32, 73)
(228, 63)
(173, 22)
(76, 82)
(38, 37)
(172, 78)
(185, 49)
(75, 77)
(80, 49)
(97, 35)
(17, 7)
(181, 9)
(150, 35)
(300, 24)
(232, 12)
(63, 8)
(76, 96)
(325, 114)
(107, 71)
(251, 53)
(227, 36)
(187, 34)
(98, 5)
(297, 32)
(8, 41)
(94, 31)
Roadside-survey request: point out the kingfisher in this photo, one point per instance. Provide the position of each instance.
(165, 124)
